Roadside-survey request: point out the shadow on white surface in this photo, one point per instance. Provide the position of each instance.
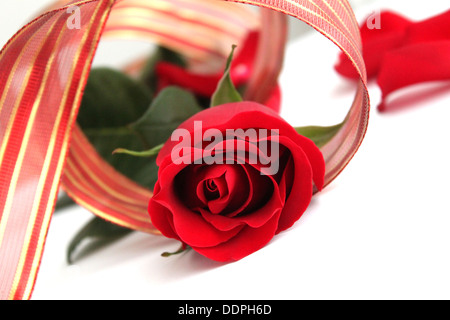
(144, 251)
(186, 265)
(418, 96)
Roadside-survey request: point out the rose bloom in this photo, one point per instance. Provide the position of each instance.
(228, 211)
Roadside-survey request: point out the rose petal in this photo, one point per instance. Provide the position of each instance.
(432, 29)
(424, 57)
(228, 116)
(313, 155)
(376, 42)
(262, 189)
(243, 244)
(256, 215)
(161, 217)
(233, 185)
(242, 64)
(245, 150)
(299, 190)
(202, 84)
(190, 227)
(239, 187)
(251, 115)
(403, 52)
(274, 101)
(414, 64)
(187, 192)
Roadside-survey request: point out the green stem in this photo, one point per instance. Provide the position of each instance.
(144, 154)
(182, 249)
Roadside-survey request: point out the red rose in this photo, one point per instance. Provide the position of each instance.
(204, 85)
(228, 211)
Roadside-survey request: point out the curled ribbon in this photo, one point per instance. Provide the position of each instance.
(43, 72)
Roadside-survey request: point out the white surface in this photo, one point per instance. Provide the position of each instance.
(380, 231)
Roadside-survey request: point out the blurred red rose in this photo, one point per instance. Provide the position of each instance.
(204, 85)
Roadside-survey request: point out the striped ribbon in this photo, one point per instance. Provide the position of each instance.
(43, 72)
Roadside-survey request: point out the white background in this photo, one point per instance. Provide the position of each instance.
(380, 231)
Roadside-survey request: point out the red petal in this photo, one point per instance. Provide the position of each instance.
(231, 116)
(414, 64)
(169, 74)
(300, 194)
(162, 219)
(376, 42)
(246, 55)
(257, 217)
(274, 101)
(251, 115)
(230, 182)
(432, 29)
(243, 244)
(190, 227)
(314, 156)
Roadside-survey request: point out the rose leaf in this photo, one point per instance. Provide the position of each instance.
(170, 108)
(112, 101)
(319, 135)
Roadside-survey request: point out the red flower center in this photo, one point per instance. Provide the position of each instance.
(211, 190)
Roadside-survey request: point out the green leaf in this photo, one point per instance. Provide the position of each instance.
(110, 103)
(169, 109)
(148, 74)
(145, 154)
(319, 135)
(94, 236)
(112, 99)
(115, 113)
(226, 91)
